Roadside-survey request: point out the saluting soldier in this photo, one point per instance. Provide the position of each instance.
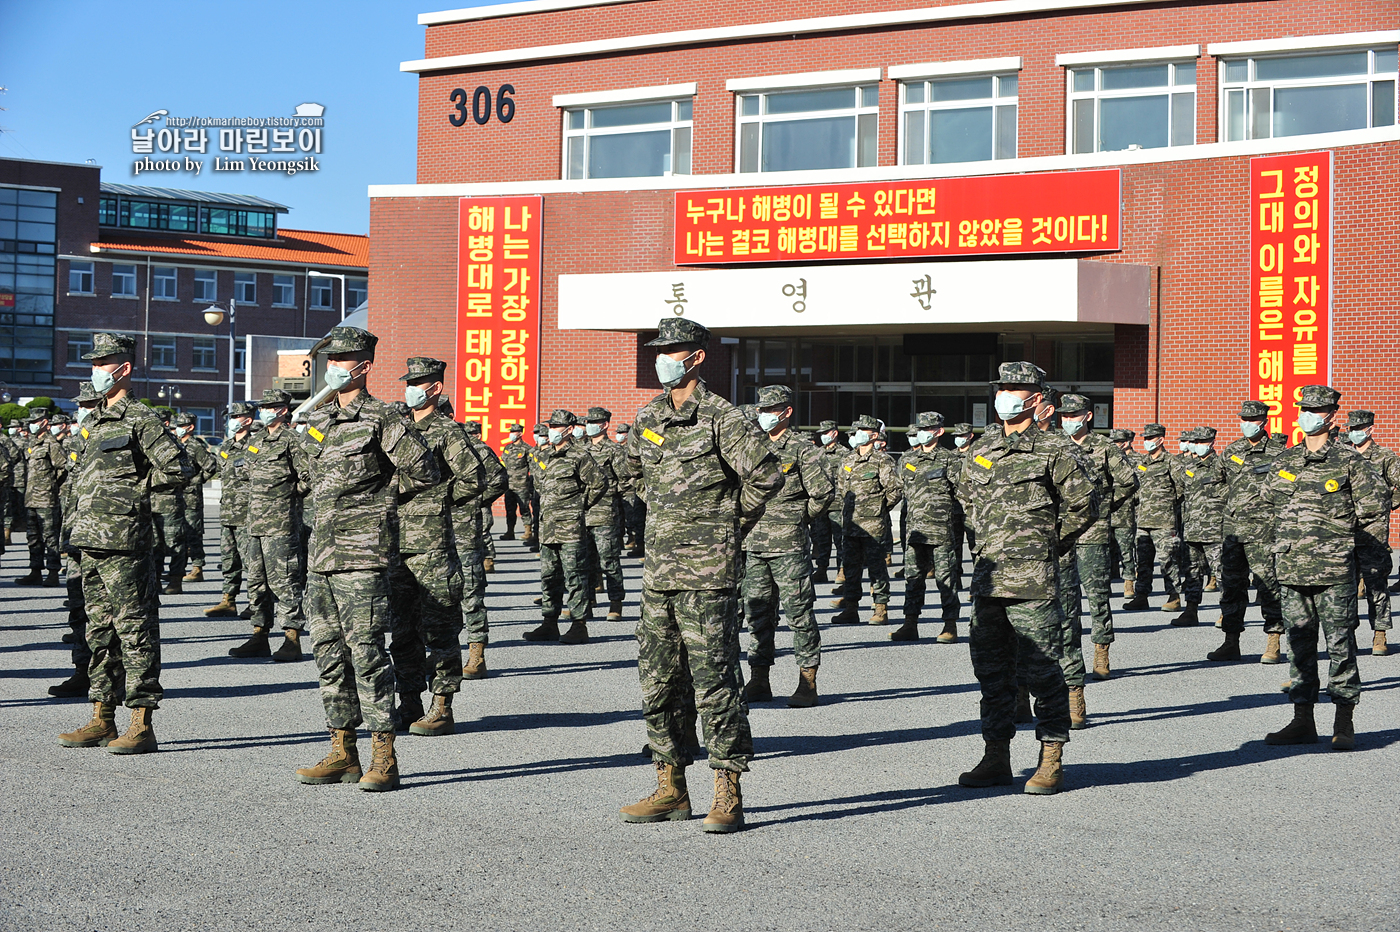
(1158, 521)
(827, 535)
(1123, 519)
(47, 468)
(515, 457)
(75, 446)
(205, 468)
(868, 487)
(929, 472)
(1205, 486)
(604, 519)
(1373, 540)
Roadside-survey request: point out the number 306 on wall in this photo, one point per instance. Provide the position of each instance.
(481, 105)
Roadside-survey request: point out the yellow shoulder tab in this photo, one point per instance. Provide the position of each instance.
(911, 467)
(73, 457)
(315, 434)
(224, 454)
(1287, 475)
(1191, 474)
(252, 449)
(982, 461)
(85, 433)
(1236, 457)
(1142, 467)
(653, 436)
(787, 466)
(847, 468)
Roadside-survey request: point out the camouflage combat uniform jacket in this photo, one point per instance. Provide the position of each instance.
(1159, 492)
(832, 454)
(569, 484)
(48, 466)
(1248, 467)
(206, 468)
(515, 457)
(277, 472)
(1114, 478)
(1322, 500)
(707, 477)
(1387, 469)
(497, 479)
(868, 487)
(233, 489)
(930, 478)
(612, 464)
(362, 457)
(1205, 484)
(426, 517)
(805, 497)
(1124, 514)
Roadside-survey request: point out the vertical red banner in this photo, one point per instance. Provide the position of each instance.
(498, 312)
(1290, 280)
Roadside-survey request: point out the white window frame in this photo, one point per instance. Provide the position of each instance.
(241, 280)
(1172, 56)
(994, 68)
(206, 275)
(279, 282)
(1249, 85)
(853, 78)
(81, 268)
(351, 286)
(157, 280)
(164, 343)
(680, 96)
(321, 286)
(79, 339)
(204, 420)
(135, 284)
(204, 344)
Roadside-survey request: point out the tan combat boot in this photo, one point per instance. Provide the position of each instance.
(227, 608)
(1360, 589)
(383, 773)
(196, 574)
(1343, 731)
(489, 565)
(475, 668)
(840, 575)
(1078, 708)
(577, 633)
(341, 765)
(1050, 774)
(1129, 589)
(98, 733)
(758, 688)
(994, 769)
(290, 651)
(1024, 713)
(139, 738)
(1210, 585)
(949, 634)
(880, 615)
(255, 646)
(1101, 668)
(1173, 604)
(1273, 651)
(670, 802)
(909, 631)
(614, 611)
(1379, 648)
(437, 721)
(1302, 730)
(806, 695)
(727, 812)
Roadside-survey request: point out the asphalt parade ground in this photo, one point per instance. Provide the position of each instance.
(1175, 816)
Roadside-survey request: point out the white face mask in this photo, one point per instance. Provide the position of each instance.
(514, 436)
(960, 442)
(1009, 405)
(556, 435)
(578, 432)
(592, 430)
(859, 439)
(827, 439)
(768, 420)
(1152, 445)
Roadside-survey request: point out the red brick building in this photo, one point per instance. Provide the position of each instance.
(614, 111)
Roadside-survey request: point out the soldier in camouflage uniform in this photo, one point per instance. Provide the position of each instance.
(233, 510)
(75, 445)
(569, 483)
(515, 457)
(1205, 486)
(1373, 540)
(777, 558)
(497, 481)
(11, 477)
(171, 535)
(1158, 520)
(929, 473)
(1248, 532)
(963, 438)
(205, 468)
(633, 508)
(1114, 477)
(604, 520)
(706, 476)
(426, 580)
(1123, 519)
(364, 457)
(1028, 500)
(128, 453)
(1324, 495)
(541, 432)
(868, 486)
(47, 468)
(827, 534)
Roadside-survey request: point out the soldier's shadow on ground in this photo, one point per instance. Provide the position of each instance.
(247, 689)
(580, 666)
(181, 746)
(526, 769)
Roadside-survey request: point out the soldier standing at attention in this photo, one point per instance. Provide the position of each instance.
(707, 476)
(1111, 473)
(1324, 494)
(47, 467)
(1248, 536)
(1205, 485)
(364, 457)
(633, 508)
(569, 483)
(541, 432)
(929, 475)
(205, 469)
(128, 453)
(515, 457)
(168, 522)
(1158, 518)
(75, 446)
(1123, 519)
(868, 487)
(1028, 500)
(827, 534)
(963, 438)
(11, 478)
(497, 481)
(1373, 540)
(777, 558)
(604, 519)
(233, 510)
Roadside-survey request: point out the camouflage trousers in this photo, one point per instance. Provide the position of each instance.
(634, 514)
(564, 579)
(276, 562)
(426, 590)
(1091, 561)
(255, 571)
(1373, 562)
(517, 503)
(1071, 620)
(826, 533)
(16, 514)
(474, 598)
(919, 558)
(488, 540)
(77, 611)
(349, 616)
(1011, 638)
(769, 578)
(123, 628)
(1152, 542)
(1238, 560)
(172, 541)
(688, 661)
(44, 527)
(1124, 545)
(961, 533)
(605, 559)
(860, 551)
(1331, 610)
(230, 563)
(194, 526)
(1201, 560)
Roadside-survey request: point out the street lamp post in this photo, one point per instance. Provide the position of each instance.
(213, 316)
(170, 392)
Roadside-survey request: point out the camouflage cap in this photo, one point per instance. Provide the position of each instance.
(562, 418)
(867, 422)
(750, 412)
(87, 394)
(1203, 434)
(424, 367)
(182, 420)
(346, 340)
(675, 330)
(242, 409)
(1361, 419)
(826, 427)
(541, 429)
(1020, 373)
(274, 398)
(960, 428)
(37, 414)
(623, 429)
(1121, 435)
(60, 417)
(599, 414)
(1250, 409)
(1318, 396)
(110, 344)
(1074, 404)
(928, 420)
(1185, 435)
(1153, 430)
(472, 427)
(517, 426)
(770, 396)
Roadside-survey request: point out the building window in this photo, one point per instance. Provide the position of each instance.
(1145, 106)
(245, 287)
(78, 344)
(28, 282)
(321, 294)
(206, 285)
(79, 277)
(107, 211)
(203, 420)
(124, 281)
(1297, 95)
(206, 353)
(962, 119)
(164, 283)
(240, 358)
(284, 291)
(834, 127)
(225, 222)
(356, 292)
(155, 215)
(163, 353)
(628, 141)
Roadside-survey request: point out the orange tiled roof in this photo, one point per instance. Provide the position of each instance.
(295, 247)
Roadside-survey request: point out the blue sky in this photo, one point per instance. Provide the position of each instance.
(79, 73)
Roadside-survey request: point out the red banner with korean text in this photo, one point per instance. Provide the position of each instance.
(989, 215)
(1290, 280)
(498, 313)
